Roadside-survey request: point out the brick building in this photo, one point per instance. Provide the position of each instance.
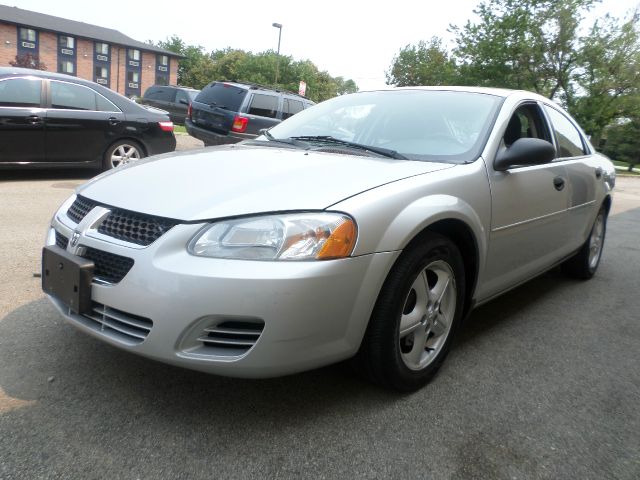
(95, 53)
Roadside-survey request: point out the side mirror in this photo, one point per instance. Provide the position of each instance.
(525, 151)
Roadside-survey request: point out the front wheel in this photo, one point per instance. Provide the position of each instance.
(121, 153)
(416, 315)
(583, 265)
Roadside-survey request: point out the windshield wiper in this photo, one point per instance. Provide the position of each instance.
(288, 141)
(214, 104)
(385, 152)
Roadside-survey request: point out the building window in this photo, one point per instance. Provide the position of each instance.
(163, 60)
(102, 48)
(27, 34)
(134, 54)
(66, 67)
(102, 72)
(67, 42)
(133, 77)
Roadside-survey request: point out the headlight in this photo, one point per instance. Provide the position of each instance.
(301, 236)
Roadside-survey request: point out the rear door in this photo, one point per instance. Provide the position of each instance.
(263, 111)
(161, 97)
(290, 107)
(80, 123)
(584, 176)
(22, 137)
(179, 107)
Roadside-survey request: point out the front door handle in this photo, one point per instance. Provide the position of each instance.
(558, 183)
(113, 121)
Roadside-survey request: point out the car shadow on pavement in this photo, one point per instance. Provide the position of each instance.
(63, 364)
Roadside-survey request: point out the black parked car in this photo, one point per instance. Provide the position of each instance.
(49, 119)
(173, 99)
(228, 112)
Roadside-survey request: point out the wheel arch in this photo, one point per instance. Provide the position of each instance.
(137, 141)
(462, 236)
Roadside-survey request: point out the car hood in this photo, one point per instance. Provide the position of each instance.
(239, 180)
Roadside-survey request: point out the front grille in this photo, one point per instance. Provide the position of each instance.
(123, 224)
(134, 227)
(61, 241)
(234, 336)
(123, 326)
(79, 209)
(109, 267)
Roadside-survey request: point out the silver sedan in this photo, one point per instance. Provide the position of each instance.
(366, 227)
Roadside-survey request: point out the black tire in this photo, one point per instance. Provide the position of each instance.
(583, 265)
(397, 360)
(130, 149)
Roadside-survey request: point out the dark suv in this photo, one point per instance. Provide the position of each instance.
(175, 100)
(228, 112)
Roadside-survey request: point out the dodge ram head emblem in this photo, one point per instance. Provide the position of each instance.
(74, 239)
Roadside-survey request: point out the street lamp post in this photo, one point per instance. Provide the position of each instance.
(279, 27)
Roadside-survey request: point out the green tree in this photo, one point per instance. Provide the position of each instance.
(522, 44)
(195, 68)
(609, 77)
(623, 142)
(427, 63)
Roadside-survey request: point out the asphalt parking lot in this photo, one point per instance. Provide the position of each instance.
(543, 382)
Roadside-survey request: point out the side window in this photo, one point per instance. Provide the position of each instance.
(526, 122)
(104, 105)
(182, 98)
(20, 92)
(569, 138)
(164, 94)
(263, 105)
(291, 107)
(72, 97)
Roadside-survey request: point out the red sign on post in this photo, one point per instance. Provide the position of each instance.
(302, 88)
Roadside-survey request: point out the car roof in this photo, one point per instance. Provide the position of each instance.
(498, 92)
(8, 71)
(126, 105)
(257, 86)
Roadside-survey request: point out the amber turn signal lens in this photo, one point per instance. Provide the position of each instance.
(340, 243)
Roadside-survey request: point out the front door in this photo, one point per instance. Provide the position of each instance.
(79, 125)
(529, 210)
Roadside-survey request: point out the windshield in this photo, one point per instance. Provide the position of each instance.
(428, 125)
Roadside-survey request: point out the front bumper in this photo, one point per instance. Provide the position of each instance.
(307, 314)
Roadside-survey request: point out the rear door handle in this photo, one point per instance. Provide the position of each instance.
(34, 120)
(558, 183)
(113, 121)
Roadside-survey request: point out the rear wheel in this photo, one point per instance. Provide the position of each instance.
(121, 153)
(416, 315)
(583, 265)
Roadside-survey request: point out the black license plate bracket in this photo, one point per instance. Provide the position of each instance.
(67, 277)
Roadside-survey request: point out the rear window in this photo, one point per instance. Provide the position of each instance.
(155, 93)
(222, 95)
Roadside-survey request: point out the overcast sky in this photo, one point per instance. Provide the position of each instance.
(353, 39)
